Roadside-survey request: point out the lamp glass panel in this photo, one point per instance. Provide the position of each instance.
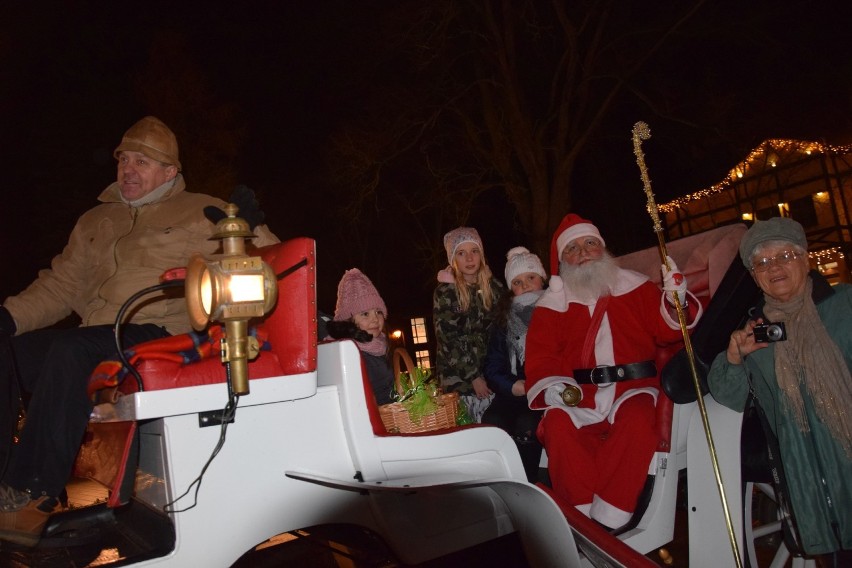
(246, 287)
(206, 292)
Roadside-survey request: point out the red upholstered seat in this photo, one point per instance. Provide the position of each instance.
(291, 329)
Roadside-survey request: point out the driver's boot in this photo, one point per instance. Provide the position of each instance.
(22, 518)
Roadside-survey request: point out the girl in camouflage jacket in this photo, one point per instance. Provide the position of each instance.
(463, 312)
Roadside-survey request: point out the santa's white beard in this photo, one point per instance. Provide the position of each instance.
(591, 280)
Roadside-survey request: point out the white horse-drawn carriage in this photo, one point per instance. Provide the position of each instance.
(306, 448)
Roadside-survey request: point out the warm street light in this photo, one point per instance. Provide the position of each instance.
(397, 335)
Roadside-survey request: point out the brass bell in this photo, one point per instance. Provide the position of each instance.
(572, 395)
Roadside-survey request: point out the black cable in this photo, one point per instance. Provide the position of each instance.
(228, 414)
(120, 316)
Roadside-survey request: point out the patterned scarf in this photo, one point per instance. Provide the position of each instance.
(378, 346)
(517, 323)
(810, 359)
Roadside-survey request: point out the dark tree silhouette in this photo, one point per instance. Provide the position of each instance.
(495, 96)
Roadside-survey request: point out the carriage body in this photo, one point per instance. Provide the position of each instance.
(306, 448)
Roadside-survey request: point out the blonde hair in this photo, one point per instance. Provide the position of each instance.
(483, 279)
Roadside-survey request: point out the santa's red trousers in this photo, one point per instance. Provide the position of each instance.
(606, 460)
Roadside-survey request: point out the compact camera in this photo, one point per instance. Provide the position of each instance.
(770, 332)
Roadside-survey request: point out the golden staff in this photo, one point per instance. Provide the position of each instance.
(641, 131)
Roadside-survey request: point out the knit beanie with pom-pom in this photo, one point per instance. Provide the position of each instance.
(356, 294)
(520, 260)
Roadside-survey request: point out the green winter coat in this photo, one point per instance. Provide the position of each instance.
(807, 457)
(116, 250)
(462, 337)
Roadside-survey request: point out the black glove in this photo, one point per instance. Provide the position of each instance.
(348, 330)
(244, 198)
(214, 214)
(7, 322)
(249, 207)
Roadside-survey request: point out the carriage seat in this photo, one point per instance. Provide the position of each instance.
(703, 259)
(290, 329)
(475, 451)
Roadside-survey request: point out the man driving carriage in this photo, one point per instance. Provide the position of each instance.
(146, 224)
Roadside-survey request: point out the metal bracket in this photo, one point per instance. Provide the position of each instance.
(212, 418)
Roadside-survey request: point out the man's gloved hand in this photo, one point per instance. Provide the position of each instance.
(249, 207)
(7, 322)
(243, 197)
(673, 282)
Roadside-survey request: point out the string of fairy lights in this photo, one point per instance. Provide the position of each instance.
(770, 153)
(826, 255)
(767, 152)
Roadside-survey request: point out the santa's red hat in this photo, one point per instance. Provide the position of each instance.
(572, 227)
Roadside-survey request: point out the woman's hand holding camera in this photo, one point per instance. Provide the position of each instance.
(743, 343)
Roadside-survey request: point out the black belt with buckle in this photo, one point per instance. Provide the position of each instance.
(605, 375)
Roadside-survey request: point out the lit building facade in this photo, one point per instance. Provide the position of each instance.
(807, 181)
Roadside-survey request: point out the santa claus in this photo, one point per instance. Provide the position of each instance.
(590, 348)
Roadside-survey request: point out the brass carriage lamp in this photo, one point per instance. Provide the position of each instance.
(232, 290)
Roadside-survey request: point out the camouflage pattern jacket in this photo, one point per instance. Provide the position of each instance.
(462, 337)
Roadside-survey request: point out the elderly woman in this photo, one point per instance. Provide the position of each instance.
(802, 382)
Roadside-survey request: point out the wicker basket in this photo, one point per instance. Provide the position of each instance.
(395, 416)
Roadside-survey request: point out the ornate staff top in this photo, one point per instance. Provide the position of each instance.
(641, 131)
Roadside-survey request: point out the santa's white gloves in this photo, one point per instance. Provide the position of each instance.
(673, 283)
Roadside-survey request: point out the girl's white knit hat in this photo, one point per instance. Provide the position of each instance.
(519, 260)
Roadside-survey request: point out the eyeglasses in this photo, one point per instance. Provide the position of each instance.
(591, 244)
(763, 264)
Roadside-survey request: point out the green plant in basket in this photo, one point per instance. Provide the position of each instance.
(421, 395)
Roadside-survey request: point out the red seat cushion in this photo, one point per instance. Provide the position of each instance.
(290, 328)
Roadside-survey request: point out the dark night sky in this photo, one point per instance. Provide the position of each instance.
(67, 92)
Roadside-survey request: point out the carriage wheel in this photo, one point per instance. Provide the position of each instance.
(755, 530)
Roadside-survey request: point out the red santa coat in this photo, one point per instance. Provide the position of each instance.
(635, 324)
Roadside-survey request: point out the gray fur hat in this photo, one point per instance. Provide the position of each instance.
(773, 229)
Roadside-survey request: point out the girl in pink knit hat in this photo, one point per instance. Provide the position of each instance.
(360, 315)
(463, 311)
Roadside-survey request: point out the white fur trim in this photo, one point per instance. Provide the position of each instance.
(542, 386)
(607, 514)
(627, 281)
(673, 323)
(575, 232)
(554, 296)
